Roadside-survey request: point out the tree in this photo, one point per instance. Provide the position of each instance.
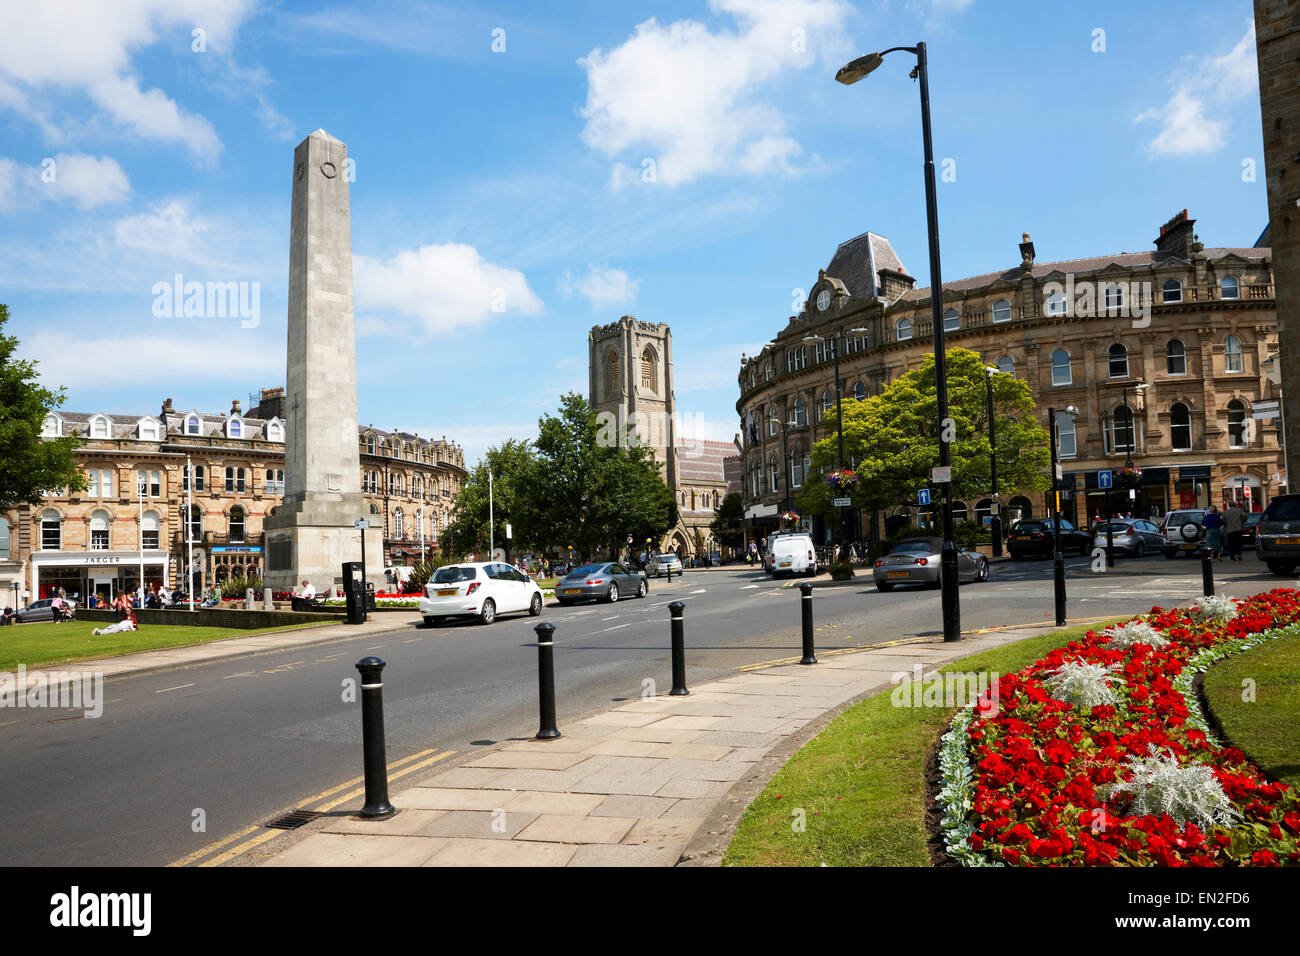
(586, 492)
(727, 525)
(29, 465)
(511, 466)
(892, 439)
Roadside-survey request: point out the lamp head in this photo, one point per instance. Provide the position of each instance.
(992, 369)
(813, 337)
(1071, 410)
(856, 70)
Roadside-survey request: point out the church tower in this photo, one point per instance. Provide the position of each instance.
(631, 370)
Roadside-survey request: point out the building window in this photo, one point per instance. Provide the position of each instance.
(773, 473)
(234, 428)
(1236, 424)
(903, 329)
(1061, 367)
(772, 421)
(1232, 361)
(1118, 361)
(99, 427)
(859, 391)
(99, 483)
(1229, 288)
(611, 373)
(796, 471)
(52, 427)
(236, 480)
(274, 431)
(958, 511)
(99, 522)
(767, 372)
(147, 430)
(275, 481)
(1066, 446)
(649, 370)
(151, 531)
(148, 484)
(800, 417)
(195, 525)
(199, 476)
(828, 402)
(1122, 432)
(983, 509)
(237, 523)
(1172, 290)
(1002, 311)
(1007, 365)
(951, 320)
(1113, 295)
(1056, 303)
(1180, 427)
(1176, 357)
(397, 523)
(51, 531)
(370, 444)
(4, 539)
(192, 426)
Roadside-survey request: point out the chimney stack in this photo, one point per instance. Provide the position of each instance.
(1176, 236)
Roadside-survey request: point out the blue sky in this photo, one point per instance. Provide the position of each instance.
(501, 205)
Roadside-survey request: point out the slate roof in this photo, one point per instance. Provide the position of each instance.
(857, 263)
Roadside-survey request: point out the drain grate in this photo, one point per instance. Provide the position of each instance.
(293, 820)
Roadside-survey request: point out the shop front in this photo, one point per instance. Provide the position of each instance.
(235, 561)
(104, 575)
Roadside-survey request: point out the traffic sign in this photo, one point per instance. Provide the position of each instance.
(842, 502)
(1105, 479)
(923, 496)
(940, 474)
(361, 524)
(629, 539)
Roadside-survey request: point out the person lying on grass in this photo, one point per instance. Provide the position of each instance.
(129, 623)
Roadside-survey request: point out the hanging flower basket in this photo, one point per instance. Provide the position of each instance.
(790, 518)
(844, 480)
(1130, 476)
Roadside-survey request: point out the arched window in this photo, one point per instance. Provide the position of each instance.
(1066, 445)
(796, 470)
(1020, 509)
(828, 402)
(1171, 290)
(767, 372)
(859, 391)
(1002, 310)
(1229, 288)
(99, 524)
(51, 531)
(1118, 361)
(100, 427)
(1175, 357)
(151, 531)
(1180, 427)
(903, 329)
(774, 474)
(374, 509)
(274, 430)
(193, 426)
(1061, 367)
(370, 444)
(147, 429)
(611, 373)
(52, 427)
(958, 511)
(238, 523)
(983, 509)
(649, 370)
(1122, 436)
(275, 481)
(800, 417)
(1237, 424)
(951, 320)
(1007, 365)
(1232, 354)
(1056, 304)
(234, 428)
(397, 523)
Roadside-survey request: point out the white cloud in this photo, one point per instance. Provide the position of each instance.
(687, 97)
(120, 361)
(936, 14)
(170, 227)
(604, 288)
(82, 180)
(1185, 126)
(443, 286)
(86, 46)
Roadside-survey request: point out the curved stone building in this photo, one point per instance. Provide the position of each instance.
(1166, 354)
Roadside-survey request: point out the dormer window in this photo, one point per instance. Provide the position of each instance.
(52, 427)
(193, 426)
(235, 428)
(100, 427)
(274, 430)
(147, 429)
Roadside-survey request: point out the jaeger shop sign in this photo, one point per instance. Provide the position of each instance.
(98, 560)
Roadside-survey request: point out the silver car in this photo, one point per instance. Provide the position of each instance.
(916, 561)
(662, 564)
(1135, 536)
(42, 610)
(600, 582)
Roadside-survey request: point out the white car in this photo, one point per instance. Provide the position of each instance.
(478, 589)
(793, 554)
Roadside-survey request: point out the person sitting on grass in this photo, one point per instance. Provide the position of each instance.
(128, 623)
(8, 616)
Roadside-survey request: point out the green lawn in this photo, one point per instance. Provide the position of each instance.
(1264, 728)
(860, 782)
(44, 643)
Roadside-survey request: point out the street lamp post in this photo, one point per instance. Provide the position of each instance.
(847, 75)
(1058, 559)
(995, 523)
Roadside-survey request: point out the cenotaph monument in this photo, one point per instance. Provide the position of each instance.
(313, 530)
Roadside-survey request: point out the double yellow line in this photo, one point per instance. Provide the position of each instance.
(320, 803)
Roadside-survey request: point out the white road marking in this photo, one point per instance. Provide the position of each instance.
(179, 687)
(746, 587)
(614, 628)
(611, 618)
(701, 591)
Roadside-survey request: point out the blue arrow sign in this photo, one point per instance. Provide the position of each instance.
(923, 496)
(1105, 479)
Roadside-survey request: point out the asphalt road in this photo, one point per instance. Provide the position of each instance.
(241, 740)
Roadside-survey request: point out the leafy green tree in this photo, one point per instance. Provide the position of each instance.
(727, 525)
(29, 465)
(511, 464)
(892, 440)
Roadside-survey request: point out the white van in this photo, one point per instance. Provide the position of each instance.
(793, 554)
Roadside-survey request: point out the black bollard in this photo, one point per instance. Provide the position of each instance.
(675, 611)
(1207, 574)
(546, 679)
(805, 590)
(372, 735)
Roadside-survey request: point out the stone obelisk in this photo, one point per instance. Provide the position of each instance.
(313, 529)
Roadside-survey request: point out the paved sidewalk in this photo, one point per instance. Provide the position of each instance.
(628, 787)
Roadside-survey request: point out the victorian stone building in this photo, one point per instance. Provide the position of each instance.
(226, 472)
(630, 364)
(1164, 353)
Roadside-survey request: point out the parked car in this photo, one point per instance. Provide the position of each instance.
(1277, 537)
(1135, 536)
(662, 564)
(478, 590)
(601, 582)
(42, 610)
(1248, 532)
(1182, 531)
(1033, 538)
(916, 561)
(793, 554)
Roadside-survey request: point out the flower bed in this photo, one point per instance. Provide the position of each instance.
(1097, 754)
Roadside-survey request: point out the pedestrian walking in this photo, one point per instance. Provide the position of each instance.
(1214, 532)
(1234, 526)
